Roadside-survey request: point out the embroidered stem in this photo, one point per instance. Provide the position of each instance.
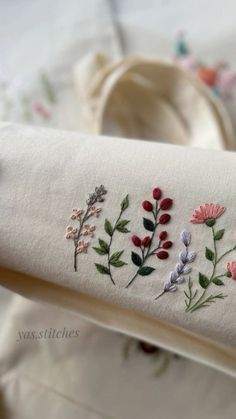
(109, 246)
(104, 248)
(81, 216)
(149, 252)
(205, 282)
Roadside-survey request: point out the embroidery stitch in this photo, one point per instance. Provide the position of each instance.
(208, 214)
(181, 269)
(146, 244)
(113, 260)
(205, 214)
(84, 230)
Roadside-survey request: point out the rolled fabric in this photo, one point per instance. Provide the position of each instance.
(134, 235)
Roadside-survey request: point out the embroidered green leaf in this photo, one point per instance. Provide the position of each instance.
(125, 203)
(219, 234)
(217, 281)
(121, 226)
(210, 222)
(116, 256)
(118, 263)
(99, 250)
(103, 245)
(145, 270)
(136, 259)
(148, 224)
(102, 269)
(108, 227)
(203, 280)
(209, 254)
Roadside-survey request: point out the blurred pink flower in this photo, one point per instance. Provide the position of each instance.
(88, 230)
(70, 232)
(76, 213)
(206, 212)
(95, 211)
(231, 268)
(82, 247)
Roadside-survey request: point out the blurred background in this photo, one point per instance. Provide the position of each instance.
(54, 60)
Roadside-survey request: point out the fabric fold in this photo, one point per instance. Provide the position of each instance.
(134, 235)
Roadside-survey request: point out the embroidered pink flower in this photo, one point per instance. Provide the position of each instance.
(70, 232)
(88, 230)
(82, 247)
(207, 213)
(95, 211)
(76, 213)
(231, 268)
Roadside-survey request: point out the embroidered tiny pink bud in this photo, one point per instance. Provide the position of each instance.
(70, 232)
(88, 230)
(136, 241)
(167, 245)
(95, 211)
(146, 241)
(147, 205)
(166, 204)
(82, 247)
(156, 193)
(164, 218)
(163, 235)
(76, 213)
(231, 268)
(162, 254)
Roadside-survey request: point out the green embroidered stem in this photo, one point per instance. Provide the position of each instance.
(190, 296)
(104, 248)
(149, 252)
(109, 246)
(205, 282)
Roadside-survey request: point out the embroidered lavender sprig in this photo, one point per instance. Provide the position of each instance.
(84, 229)
(177, 277)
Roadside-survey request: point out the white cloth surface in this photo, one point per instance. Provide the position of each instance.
(40, 249)
(149, 27)
(100, 375)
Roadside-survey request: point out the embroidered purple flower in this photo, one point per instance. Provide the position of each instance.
(181, 269)
(185, 237)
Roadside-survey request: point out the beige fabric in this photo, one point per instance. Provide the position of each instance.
(151, 99)
(99, 375)
(65, 175)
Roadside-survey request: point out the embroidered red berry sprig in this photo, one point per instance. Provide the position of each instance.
(152, 244)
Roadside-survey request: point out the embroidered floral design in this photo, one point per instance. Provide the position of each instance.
(177, 276)
(148, 246)
(231, 270)
(104, 248)
(84, 229)
(208, 214)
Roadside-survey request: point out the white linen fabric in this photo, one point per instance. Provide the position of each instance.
(100, 374)
(66, 174)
